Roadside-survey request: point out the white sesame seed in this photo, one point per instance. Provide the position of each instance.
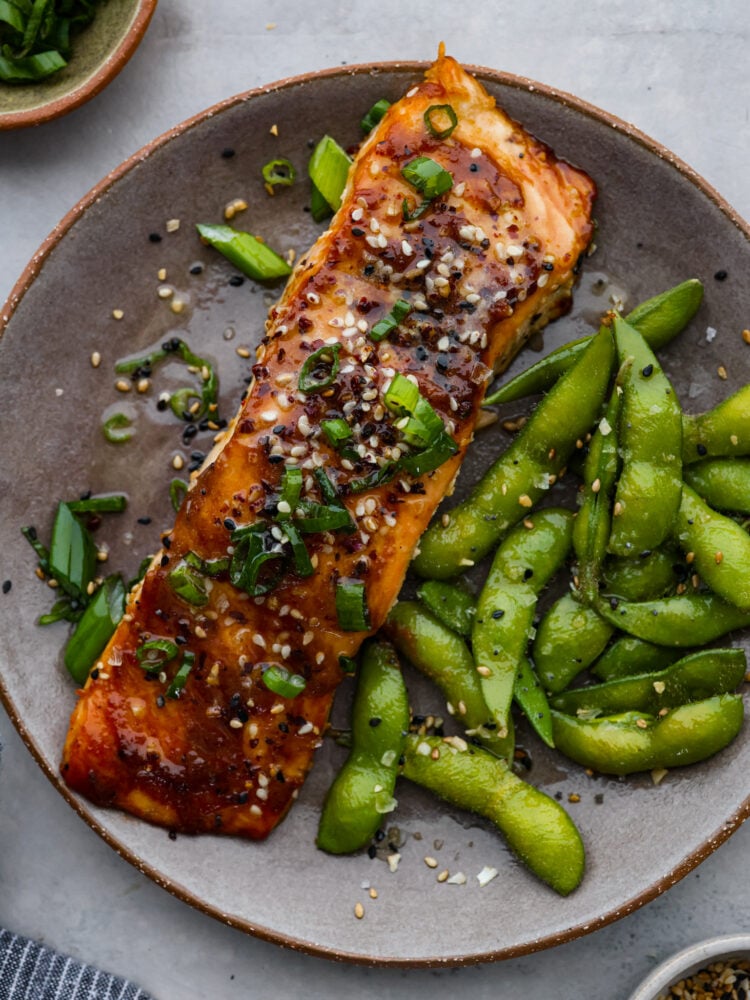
(172, 225)
(476, 153)
(406, 248)
(372, 241)
(319, 657)
(542, 279)
(235, 723)
(357, 215)
(514, 251)
(259, 640)
(458, 189)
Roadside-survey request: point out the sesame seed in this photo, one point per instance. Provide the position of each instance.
(484, 671)
(430, 862)
(96, 359)
(722, 373)
(117, 314)
(176, 305)
(165, 291)
(719, 558)
(359, 911)
(525, 500)
(122, 385)
(178, 462)
(172, 225)
(235, 723)
(746, 336)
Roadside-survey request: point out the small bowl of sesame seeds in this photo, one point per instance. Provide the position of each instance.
(716, 969)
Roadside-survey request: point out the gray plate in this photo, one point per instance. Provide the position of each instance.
(659, 224)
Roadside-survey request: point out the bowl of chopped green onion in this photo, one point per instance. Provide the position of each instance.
(57, 54)
(716, 968)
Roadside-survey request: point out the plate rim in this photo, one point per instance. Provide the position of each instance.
(23, 285)
(110, 66)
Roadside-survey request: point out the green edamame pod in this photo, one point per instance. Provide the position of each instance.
(572, 635)
(521, 476)
(628, 656)
(722, 482)
(362, 793)
(650, 437)
(725, 430)
(438, 653)
(658, 320)
(634, 742)
(592, 526)
(720, 546)
(568, 638)
(523, 565)
(530, 697)
(536, 828)
(702, 675)
(687, 620)
(452, 605)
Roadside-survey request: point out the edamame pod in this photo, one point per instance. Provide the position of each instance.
(536, 828)
(722, 482)
(444, 657)
(686, 620)
(362, 793)
(625, 744)
(523, 565)
(628, 656)
(650, 437)
(530, 697)
(720, 546)
(452, 605)
(572, 635)
(523, 474)
(658, 319)
(725, 430)
(702, 675)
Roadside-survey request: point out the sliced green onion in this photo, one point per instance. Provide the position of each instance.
(178, 681)
(155, 653)
(410, 216)
(111, 503)
(246, 252)
(402, 395)
(421, 425)
(301, 556)
(118, 428)
(337, 431)
(383, 327)
(254, 546)
(208, 567)
(351, 605)
(319, 517)
(188, 584)
(320, 369)
(29, 533)
(440, 109)
(279, 172)
(375, 115)
(95, 628)
(430, 459)
(177, 490)
(279, 680)
(427, 176)
(11, 15)
(72, 553)
(328, 169)
(291, 488)
(67, 609)
(373, 479)
(35, 67)
(319, 207)
(181, 400)
(326, 487)
(348, 664)
(209, 391)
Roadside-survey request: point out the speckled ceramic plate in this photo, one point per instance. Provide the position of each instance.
(99, 53)
(659, 224)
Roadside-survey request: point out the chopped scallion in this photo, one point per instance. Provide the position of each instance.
(118, 428)
(300, 555)
(254, 546)
(111, 503)
(279, 172)
(95, 629)
(72, 553)
(155, 653)
(188, 584)
(320, 369)
(177, 490)
(291, 488)
(375, 115)
(351, 605)
(283, 683)
(246, 252)
(208, 567)
(180, 678)
(388, 324)
(328, 169)
(440, 112)
(427, 176)
(319, 207)
(337, 431)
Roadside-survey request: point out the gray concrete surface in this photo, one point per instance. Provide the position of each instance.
(674, 69)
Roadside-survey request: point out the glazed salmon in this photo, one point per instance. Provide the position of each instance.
(294, 539)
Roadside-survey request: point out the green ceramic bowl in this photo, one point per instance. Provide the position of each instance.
(99, 53)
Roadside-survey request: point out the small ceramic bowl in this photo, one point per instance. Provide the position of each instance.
(691, 960)
(99, 53)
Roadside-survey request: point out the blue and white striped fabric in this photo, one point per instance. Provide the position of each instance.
(29, 971)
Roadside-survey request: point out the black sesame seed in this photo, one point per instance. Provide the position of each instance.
(229, 524)
(236, 280)
(275, 459)
(196, 269)
(94, 674)
(160, 701)
(181, 640)
(165, 560)
(647, 371)
(154, 238)
(190, 431)
(546, 266)
(598, 798)
(228, 153)
(197, 456)
(7, 584)
(243, 797)
(375, 721)
(701, 449)
(498, 614)
(356, 231)
(161, 405)
(372, 852)
(144, 520)
(474, 168)
(528, 573)
(721, 275)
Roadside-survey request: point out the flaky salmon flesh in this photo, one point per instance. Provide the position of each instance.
(249, 586)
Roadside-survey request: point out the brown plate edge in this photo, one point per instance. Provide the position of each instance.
(32, 270)
(113, 63)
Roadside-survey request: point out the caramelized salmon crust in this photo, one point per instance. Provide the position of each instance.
(481, 267)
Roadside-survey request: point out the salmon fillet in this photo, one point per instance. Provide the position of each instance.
(485, 264)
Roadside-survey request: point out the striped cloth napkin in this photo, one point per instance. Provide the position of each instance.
(29, 971)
